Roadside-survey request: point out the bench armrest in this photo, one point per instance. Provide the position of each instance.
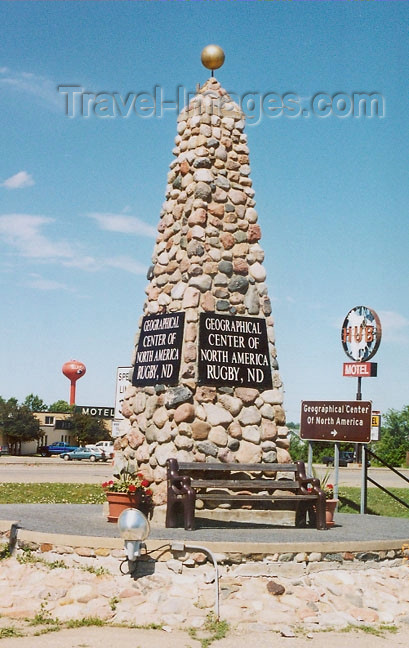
(180, 485)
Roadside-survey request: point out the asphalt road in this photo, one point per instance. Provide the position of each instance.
(54, 469)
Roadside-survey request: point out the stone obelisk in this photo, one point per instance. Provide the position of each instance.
(205, 381)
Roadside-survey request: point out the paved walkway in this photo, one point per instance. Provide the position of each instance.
(88, 520)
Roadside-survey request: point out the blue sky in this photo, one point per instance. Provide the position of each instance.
(80, 197)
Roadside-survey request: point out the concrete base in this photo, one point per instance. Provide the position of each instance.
(245, 516)
(278, 518)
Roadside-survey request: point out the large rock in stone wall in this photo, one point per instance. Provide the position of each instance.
(207, 258)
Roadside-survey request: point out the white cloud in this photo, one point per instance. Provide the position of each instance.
(395, 327)
(22, 231)
(19, 180)
(35, 85)
(123, 224)
(47, 284)
(128, 264)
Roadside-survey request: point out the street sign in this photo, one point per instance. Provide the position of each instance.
(122, 382)
(375, 426)
(359, 369)
(336, 421)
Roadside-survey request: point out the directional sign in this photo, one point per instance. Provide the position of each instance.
(336, 421)
(375, 426)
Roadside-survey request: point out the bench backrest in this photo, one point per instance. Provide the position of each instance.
(196, 466)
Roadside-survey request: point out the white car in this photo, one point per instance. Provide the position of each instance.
(106, 446)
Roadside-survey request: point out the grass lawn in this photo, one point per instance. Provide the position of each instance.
(379, 503)
(51, 493)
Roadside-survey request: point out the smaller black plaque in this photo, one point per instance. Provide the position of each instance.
(159, 350)
(233, 352)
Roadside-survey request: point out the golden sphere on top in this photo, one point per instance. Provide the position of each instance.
(212, 57)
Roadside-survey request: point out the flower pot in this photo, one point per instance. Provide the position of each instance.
(118, 502)
(330, 506)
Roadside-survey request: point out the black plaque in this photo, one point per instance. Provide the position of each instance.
(159, 350)
(233, 352)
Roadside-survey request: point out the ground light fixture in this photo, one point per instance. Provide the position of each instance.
(134, 528)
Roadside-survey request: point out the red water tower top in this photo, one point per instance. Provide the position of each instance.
(73, 370)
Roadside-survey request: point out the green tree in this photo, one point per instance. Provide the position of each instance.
(34, 403)
(298, 448)
(88, 429)
(61, 406)
(18, 424)
(394, 441)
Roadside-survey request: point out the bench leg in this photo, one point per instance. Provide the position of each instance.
(301, 515)
(320, 507)
(189, 502)
(171, 513)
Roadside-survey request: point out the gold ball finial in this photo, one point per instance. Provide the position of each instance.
(212, 57)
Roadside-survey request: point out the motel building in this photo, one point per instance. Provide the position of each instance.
(55, 426)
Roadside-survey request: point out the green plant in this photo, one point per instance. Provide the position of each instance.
(43, 617)
(325, 486)
(86, 621)
(377, 631)
(28, 557)
(98, 571)
(113, 602)
(5, 552)
(10, 631)
(215, 628)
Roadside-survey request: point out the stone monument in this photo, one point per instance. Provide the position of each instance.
(206, 385)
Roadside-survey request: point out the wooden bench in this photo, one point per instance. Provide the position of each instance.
(222, 482)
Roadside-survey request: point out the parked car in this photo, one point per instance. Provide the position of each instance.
(106, 446)
(4, 449)
(84, 453)
(55, 448)
(345, 457)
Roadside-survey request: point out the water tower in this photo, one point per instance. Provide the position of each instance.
(73, 370)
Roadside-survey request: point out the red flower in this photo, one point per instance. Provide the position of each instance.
(148, 492)
(132, 488)
(145, 483)
(330, 486)
(140, 475)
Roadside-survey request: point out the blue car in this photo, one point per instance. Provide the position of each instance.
(85, 453)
